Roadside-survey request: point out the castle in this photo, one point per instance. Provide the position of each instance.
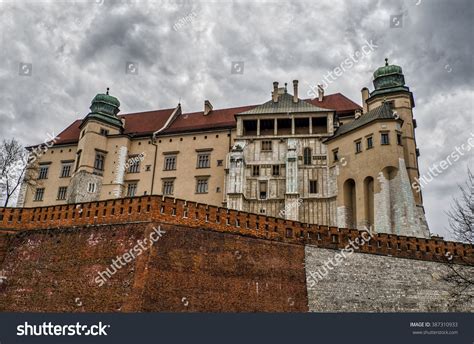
(324, 161)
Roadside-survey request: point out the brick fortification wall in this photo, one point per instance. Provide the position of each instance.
(185, 270)
(209, 259)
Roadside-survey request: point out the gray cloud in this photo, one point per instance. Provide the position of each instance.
(78, 48)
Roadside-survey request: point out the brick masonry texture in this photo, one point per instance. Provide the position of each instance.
(186, 270)
(210, 259)
(367, 283)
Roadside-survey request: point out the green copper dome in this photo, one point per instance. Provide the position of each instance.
(105, 107)
(389, 78)
(387, 70)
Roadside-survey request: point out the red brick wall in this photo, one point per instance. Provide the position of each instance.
(187, 269)
(191, 214)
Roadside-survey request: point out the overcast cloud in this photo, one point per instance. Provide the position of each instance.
(78, 48)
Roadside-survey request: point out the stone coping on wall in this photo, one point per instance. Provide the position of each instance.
(197, 215)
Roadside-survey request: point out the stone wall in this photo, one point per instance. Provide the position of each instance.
(371, 283)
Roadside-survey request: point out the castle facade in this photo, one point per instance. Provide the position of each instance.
(326, 160)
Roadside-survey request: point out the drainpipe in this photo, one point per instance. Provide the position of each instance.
(153, 142)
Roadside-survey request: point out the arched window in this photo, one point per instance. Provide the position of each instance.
(307, 156)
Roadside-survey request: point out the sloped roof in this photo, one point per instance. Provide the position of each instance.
(193, 121)
(384, 111)
(336, 101)
(142, 123)
(284, 104)
(145, 123)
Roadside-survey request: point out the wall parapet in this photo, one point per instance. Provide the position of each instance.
(197, 215)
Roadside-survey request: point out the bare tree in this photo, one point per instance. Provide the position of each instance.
(461, 220)
(15, 168)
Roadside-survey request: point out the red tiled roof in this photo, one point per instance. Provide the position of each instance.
(70, 134)
(336, 101)
(135, 123)
(222, 118)
(143, 123)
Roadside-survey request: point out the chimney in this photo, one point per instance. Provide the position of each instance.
(365, 96)
(295, 91)
(320, 93)
(275, 92)
(207, 107)
(358, 113)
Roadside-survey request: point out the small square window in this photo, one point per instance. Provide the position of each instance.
(276, 170)
(66, 170)
(220, 162)
(133, 164)
(132, 189)
(43, 172)
(203, 160)
(91, 187)
(335, 154)
(255, 170)
(62, 191)
(168, 187)
(266, 146)
(170, 163)
(313, 186)
(370, 142)
(202, 185)
(39, 194)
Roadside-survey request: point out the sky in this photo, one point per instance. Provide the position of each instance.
(55, 56)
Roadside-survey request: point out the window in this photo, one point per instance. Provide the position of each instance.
(66, 170)
(370, 142)
(104, 132)
(168, 186)
(203, 160)
(39, 194)
(263, 189)
(307, 156)
(131, 189)
(335, 154)
(148, 168)
(266, 146)
(201, 185)
(43, 172)
(91, 187)
(220, 162)
(255, 171)
(99, 162)
(313, 186)
(276, 170)
(62, 192)
(134, 164)
(399, 139)
(78, 160)
(170, 163)
(384, 138)
(358, 146)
